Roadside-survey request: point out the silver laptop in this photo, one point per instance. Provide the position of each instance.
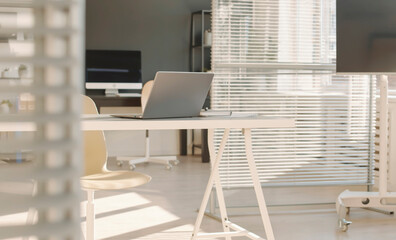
(176, 94)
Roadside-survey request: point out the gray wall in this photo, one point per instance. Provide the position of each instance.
(158, 28)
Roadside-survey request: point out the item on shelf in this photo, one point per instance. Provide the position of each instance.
(10, 73)
(207, 38)
(5, 106)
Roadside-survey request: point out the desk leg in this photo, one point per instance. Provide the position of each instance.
(183, 142)
(219, 188)
(205, 152)
(212, 180)
(257, 185)
(215, 179)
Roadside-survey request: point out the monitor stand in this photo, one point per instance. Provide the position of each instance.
(115, 93)
(111, 92)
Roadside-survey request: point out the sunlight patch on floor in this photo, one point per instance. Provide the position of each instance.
(115, 203)
(115, 212)
(13, 219)
(180, 232)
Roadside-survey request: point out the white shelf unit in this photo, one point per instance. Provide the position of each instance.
(391, 151)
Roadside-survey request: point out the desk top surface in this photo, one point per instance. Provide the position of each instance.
(107, 122)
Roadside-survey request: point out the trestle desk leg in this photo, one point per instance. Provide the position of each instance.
(257, 186)
(219, 188)
(213, 174)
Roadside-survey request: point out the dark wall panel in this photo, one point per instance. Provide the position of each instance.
(158, 28)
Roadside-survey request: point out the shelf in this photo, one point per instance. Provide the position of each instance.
(200, 46)
(202, 12)
(200, 61)
(200, 30)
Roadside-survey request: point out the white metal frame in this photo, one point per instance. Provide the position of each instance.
(381, 199)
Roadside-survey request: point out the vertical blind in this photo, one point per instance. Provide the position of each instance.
(41, 76)
(277, 58)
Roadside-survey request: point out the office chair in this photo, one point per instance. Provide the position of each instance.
(167, 160)
(96, 175)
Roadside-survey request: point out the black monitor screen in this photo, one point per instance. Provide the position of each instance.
(104, 66)
(366, 35)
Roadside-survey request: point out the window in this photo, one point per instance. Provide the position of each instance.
(277, 58)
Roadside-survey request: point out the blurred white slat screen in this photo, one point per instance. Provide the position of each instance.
(41, 59)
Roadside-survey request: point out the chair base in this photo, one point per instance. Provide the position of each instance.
(168, 161)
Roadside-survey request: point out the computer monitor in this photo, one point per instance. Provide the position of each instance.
(113, 70)
(366, 36)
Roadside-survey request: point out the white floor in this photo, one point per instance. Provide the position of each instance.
(166, 209)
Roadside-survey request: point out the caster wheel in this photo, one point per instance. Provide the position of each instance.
(344, 228)
(176, 162)
(132, 167)
(119, 163)
(168, 167)
(343, 225)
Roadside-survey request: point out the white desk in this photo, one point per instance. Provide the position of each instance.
(106, 122)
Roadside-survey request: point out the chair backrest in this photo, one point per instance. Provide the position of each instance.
(146, 93)
(95, 152)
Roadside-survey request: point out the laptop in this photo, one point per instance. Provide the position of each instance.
(175, 95)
